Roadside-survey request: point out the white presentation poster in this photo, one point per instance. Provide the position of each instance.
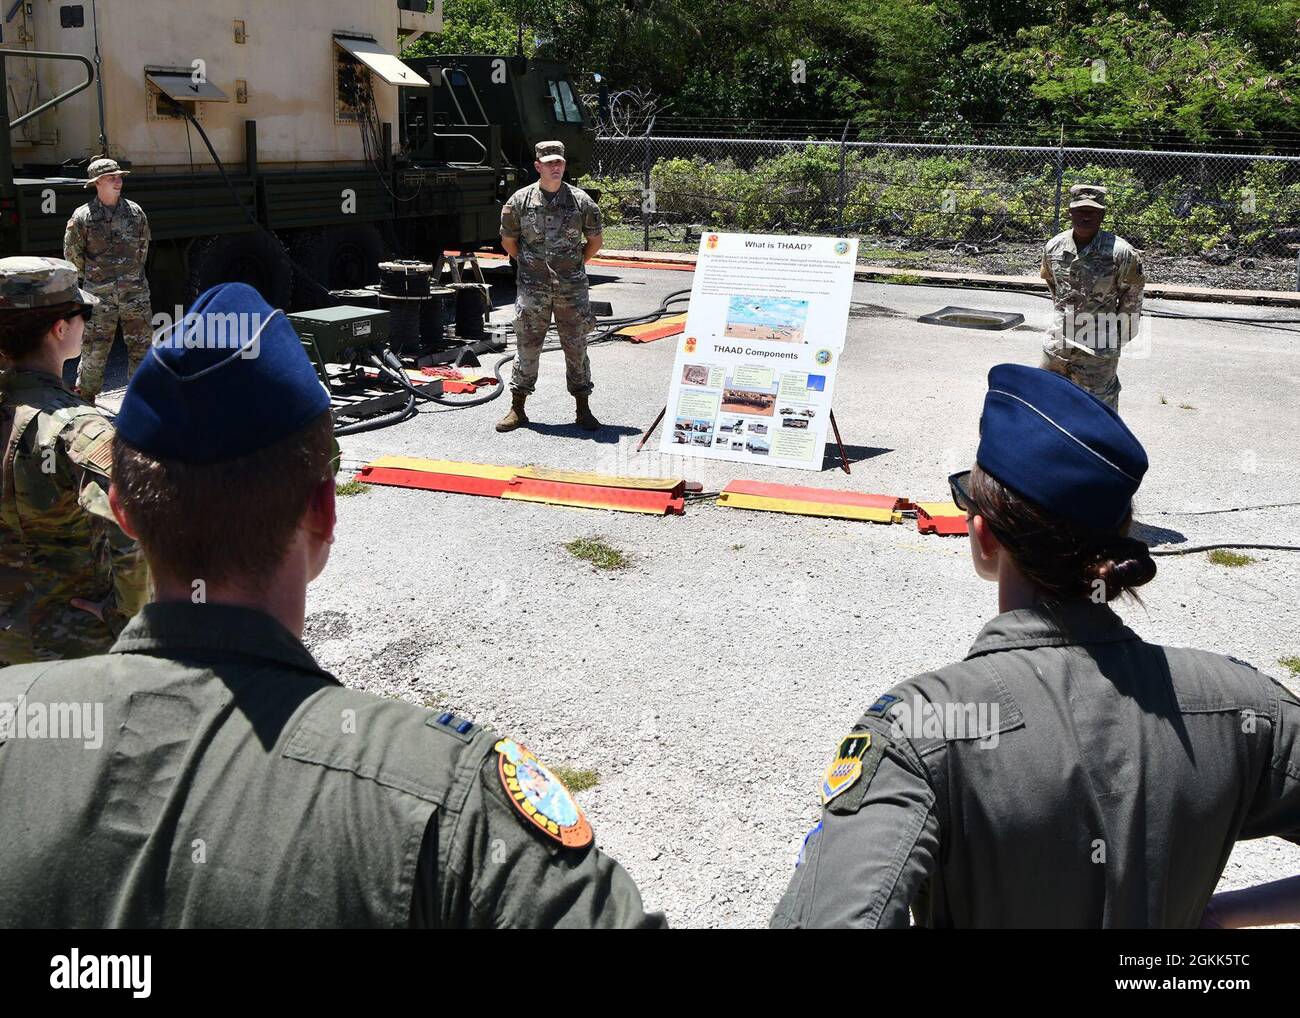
(755, 368)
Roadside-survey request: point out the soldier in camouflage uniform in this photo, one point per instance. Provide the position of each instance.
(1096, 282)
(69, 577)
(551, 228)
(107, 239)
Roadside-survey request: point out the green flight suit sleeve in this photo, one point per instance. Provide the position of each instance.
(876, 845)
(74, 244)
(1275, 809)
(500, 873)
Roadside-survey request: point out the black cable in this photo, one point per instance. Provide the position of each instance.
(1234, 509)
(1212, 547)
(397, 373)
(383, 421)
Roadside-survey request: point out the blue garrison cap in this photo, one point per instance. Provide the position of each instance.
(1059, 446)
(229, 378)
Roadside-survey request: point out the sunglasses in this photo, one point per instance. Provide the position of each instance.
(336, 457)
(86, 311)
(959, 486)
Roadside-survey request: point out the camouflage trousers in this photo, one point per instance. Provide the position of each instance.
(1097, 373)
(573, 321)
(130, 309)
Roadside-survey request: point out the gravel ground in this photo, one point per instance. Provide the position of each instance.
(709, 680)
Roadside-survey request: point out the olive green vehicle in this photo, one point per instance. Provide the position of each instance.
(285, 146)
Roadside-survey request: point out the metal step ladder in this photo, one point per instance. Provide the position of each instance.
(466, 273)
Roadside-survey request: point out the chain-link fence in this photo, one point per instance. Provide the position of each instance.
(1223, 219)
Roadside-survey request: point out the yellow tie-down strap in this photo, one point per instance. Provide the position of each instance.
(603, 480)
(801, 508)
(488, 470)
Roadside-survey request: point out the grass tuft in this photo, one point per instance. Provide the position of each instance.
(1231, 559)
(598, 552)
(576, 779)
(345, 488)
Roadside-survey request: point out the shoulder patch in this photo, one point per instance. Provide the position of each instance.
(846, 768)
(848, 797)
(540, 798)
(90, 443)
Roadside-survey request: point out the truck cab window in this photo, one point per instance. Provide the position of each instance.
(564, 105)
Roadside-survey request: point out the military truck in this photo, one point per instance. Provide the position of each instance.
(260, 138)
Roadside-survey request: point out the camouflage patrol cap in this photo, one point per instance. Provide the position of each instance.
(549, 151)
(29, 282)
(102, 168)
(1087, 196)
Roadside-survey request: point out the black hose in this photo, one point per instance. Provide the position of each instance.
(1212, 547)
(392, 367)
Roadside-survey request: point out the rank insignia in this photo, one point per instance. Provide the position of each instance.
(886, 701)
(846, 768)
(540, 797)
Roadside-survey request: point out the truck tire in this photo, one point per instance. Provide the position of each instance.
(253, 258)
(337, 258)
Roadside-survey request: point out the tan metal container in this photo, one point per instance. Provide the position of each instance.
(284, 64)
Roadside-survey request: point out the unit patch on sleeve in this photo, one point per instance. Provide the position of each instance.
(540, 797)
(846, 768)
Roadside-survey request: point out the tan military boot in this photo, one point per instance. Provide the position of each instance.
(516, 416)
(586, 419)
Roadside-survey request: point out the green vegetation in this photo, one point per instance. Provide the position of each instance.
(1231, 559)
(576, 779)
(1181, 71)
(1291, 663)
(959, 198)
(345, 488)
(596, 551)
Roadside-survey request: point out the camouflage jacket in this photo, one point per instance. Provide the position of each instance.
(58, 537)
(551, 234)
(108, 245)
(1091, 288)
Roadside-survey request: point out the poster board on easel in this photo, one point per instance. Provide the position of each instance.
(754, 371)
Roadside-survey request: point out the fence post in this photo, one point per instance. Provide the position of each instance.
(839, 204)
(645, 188)
(1060, 175)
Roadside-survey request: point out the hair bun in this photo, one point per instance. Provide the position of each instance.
(1124, 563)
